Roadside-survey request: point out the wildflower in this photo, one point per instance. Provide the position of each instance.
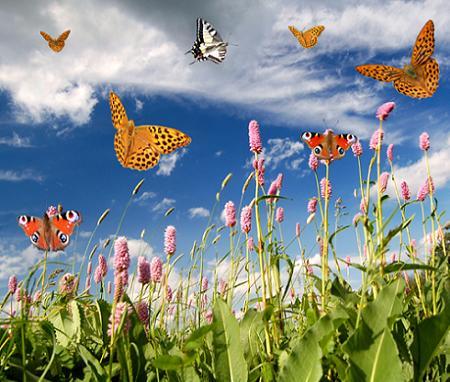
(250, 244)
(209, 316)
(254, 137)
(279, 215)
(279, 181)
(356, 218)
(143, 270)
(37, 296)
(424, 141)
(406, 195)
(246, 219)
(170, 240)
(313, 162)
(430, 184)
(423, 191)
(384, 110)
(390, 152)
(156, 269)
(230, 214)
(87, 284)
(309, 268)
(258, 165)
(363, 206)
(142, 312)
(406, 277)
(52, 211)
(12, 284)
(272, 191)
(121, 312)
(68, 284)
(325, 188)
(310, 218)
(377, 138)
(348, 261)
(393, 257)
(297, 229)
(383, 181)
(109, 287)
(357, 149)
(413, 248)
(292, 294)
(312, 205)
(98, 275)
(118, 287)
(205, 284)
(121, 255)
(89, 268)
(169, 293)
(222, 287)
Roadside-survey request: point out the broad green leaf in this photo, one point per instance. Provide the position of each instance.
(168, 362)
(195, 340)
(229, 362)
(251, 330)
(92, 363)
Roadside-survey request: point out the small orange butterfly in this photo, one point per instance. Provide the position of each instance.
(56, 44)
(307, 39)
(420, 78)
(140, 147)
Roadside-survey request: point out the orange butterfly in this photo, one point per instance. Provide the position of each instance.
(52, 232)
(140, 147)
(307, 39)
(328, 146)
(56, 44)
(419, 79)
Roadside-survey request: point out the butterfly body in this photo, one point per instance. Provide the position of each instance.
(328, 146)
(208, 46)
(140, 147)
(56, 44)
(51, 233)
(308, 38)
(420, 78)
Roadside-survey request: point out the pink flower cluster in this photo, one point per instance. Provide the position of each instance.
(258, 165)
(390, 152)
(376, 139)
(12, 284)
(230, 214)
(357, 149)
(170, 244)
(384, 110)
(279, 215)
(426, 188)
(254, 137)
(246, 219)
(143, 270)
(424, 141)
(312, 205)
(313, 162)
(122, 309)
(68, 284)
(406, 195)
(101, 270)
(325, 188)
(121, 259)
(383, 181)
(156, 269)
(142, 312)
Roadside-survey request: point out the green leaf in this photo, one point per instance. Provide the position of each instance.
(195, 340)
(68, 326)
(229, 362)
(168, 362)
(92, 363)
(251, 330)
(401, 266)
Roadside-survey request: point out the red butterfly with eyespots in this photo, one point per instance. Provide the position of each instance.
(328, 146)
(52, 232)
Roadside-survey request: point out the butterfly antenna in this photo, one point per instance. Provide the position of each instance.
(189, 51)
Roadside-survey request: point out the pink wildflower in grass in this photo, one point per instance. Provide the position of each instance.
(357, 149)
(363, 206)
(169, 293)
(377, 138)
(118, 286)
(246, 219)
(121, 255)
(254, 137)
(37, 296)
(209, 316)
(309, 268)
(390, 152)
(423, 191)
(109, 289)
(356, 218)
(12, 284)
(383, 181)
(384, 110)
(170, 243)
(98, 275)
(279, 181)
(122, 312)
(312, 205)
(230, 214)
(87, 284)
(272, 191)
(142, 312)
(101, 270)
(222, 287)
(250, 244)
(279, 215)
(348, 261)
(52, 211)
(297, 229)
(258, 165)
(413, 247)
(68, 284)
(406, 195)
(205, 284)
(156, 269)
(89, 268)
(406, 277)
(310, 218)
(393, 257)
(144, 275)
(325, 188)
(430, 184)
(313, 162)
(424, 141)
(292, 294)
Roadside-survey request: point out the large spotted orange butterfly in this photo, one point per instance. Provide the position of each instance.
(328, 146)
(52, 232)
(420, 78)
(140, 147)
(308, 38)
(56, 44)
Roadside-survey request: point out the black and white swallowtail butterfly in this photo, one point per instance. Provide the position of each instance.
(208, 45)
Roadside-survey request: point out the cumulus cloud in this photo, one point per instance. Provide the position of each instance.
(20, 176)
(198, 212)
(283, 150)
(145, 196)
(139, 247)
(168, 162)
(14, 261)
(16, 141)
(163, 205)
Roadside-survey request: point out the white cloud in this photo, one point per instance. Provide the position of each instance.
(145, 196)
(16, 141)
(14, 261)
(200, 212)
(16, 176)
(139, 104)
(283, 149)
(85, 234)
(140, 248)
(168, 162)
(163, 205)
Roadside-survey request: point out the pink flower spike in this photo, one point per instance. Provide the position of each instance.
(254, 137)
(12, 284)
(406, 195)
(348, 260)
(357, 149)
(258, 165)
(384, 110)
(68, 284)
(272, 191)
(98, 275)
(356, 218)
(312, 205)
(209, 317)
(297, 230)
(246, 219)
(156, 269)
(170, 243)
(383, 181)
(144, 275)
(121, 255)
(325, 188)
(377, 136)
(279, 215)
(142, 312)
(169, 293)
(393, 257)
(424, 141)
(250, 244)
(279, 181)
(390, 152)
(205, 284)
(313, 162)
(230, 214)
(122, 309)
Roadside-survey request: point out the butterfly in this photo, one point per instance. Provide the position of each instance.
(307, 39)
(420, 78)
(56, 44)
(140, 147)
(328, 146)
(52, 232)
(208, 45)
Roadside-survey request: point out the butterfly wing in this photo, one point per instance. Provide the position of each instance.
(209, 45)
(318, 144)
(46, 36)
(61, 227)
(121, 123)
(34, 229)
(118, 113)
(298, 35)
(424, 45)
(63, 36)
(383, 73)
(311, 36)
(340, 143)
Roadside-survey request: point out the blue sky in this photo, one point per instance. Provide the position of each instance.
(56, 136)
